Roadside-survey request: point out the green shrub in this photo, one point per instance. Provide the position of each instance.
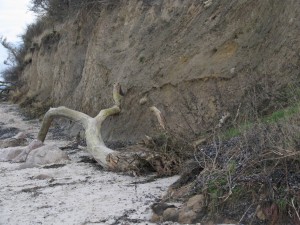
(59, 10)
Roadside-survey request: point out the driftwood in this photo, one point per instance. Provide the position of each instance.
(159, 116)
(135, 160)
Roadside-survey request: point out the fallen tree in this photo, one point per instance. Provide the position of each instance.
(160, 154)
(131, 160)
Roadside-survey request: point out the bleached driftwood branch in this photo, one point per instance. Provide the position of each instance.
(106, 157)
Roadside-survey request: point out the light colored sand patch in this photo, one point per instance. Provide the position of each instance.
(76, 193)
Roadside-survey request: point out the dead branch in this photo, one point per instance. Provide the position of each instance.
(106, 157)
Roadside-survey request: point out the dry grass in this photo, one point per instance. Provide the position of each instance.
(260, 167)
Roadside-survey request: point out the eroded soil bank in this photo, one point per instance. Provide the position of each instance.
(194, 60)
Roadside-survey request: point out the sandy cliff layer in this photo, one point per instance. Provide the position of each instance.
(194, 60)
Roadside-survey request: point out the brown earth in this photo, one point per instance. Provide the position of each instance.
(191, 59)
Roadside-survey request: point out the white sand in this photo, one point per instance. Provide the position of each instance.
(78, 193)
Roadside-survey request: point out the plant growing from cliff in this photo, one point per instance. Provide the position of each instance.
(14, 60)
(59, 10)
(13, 56)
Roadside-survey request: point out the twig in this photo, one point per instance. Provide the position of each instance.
(296, 211)
(237, 113)
(283, 157)
(245, 213)
(217, 150)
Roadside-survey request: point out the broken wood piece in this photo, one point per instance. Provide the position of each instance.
(106, 157)
(159, 116)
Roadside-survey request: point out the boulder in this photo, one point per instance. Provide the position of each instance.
(186, 216)
(17, 140)
(8, 154)
(196, 203)
(170, 214)
(26, 150)
(47, 154)
(192, 209)
(18, 154)
(159, 210)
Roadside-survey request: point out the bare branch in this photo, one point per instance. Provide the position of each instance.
(11, 49)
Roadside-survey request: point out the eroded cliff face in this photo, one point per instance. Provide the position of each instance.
(194, 60)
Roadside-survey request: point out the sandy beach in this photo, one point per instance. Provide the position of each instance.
(75, 193)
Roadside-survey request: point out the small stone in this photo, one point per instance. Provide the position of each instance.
(260, 214)
(196, 203)
(170, 214)
(8, 154)
(143, 100)
(186, 216)
(232, 70)
(160, 207)
(11, 142)
(20, 135)
(47, 154)
(11, 121)
(155, 218)
(42, 177)
(17, 140)
(24, 154)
